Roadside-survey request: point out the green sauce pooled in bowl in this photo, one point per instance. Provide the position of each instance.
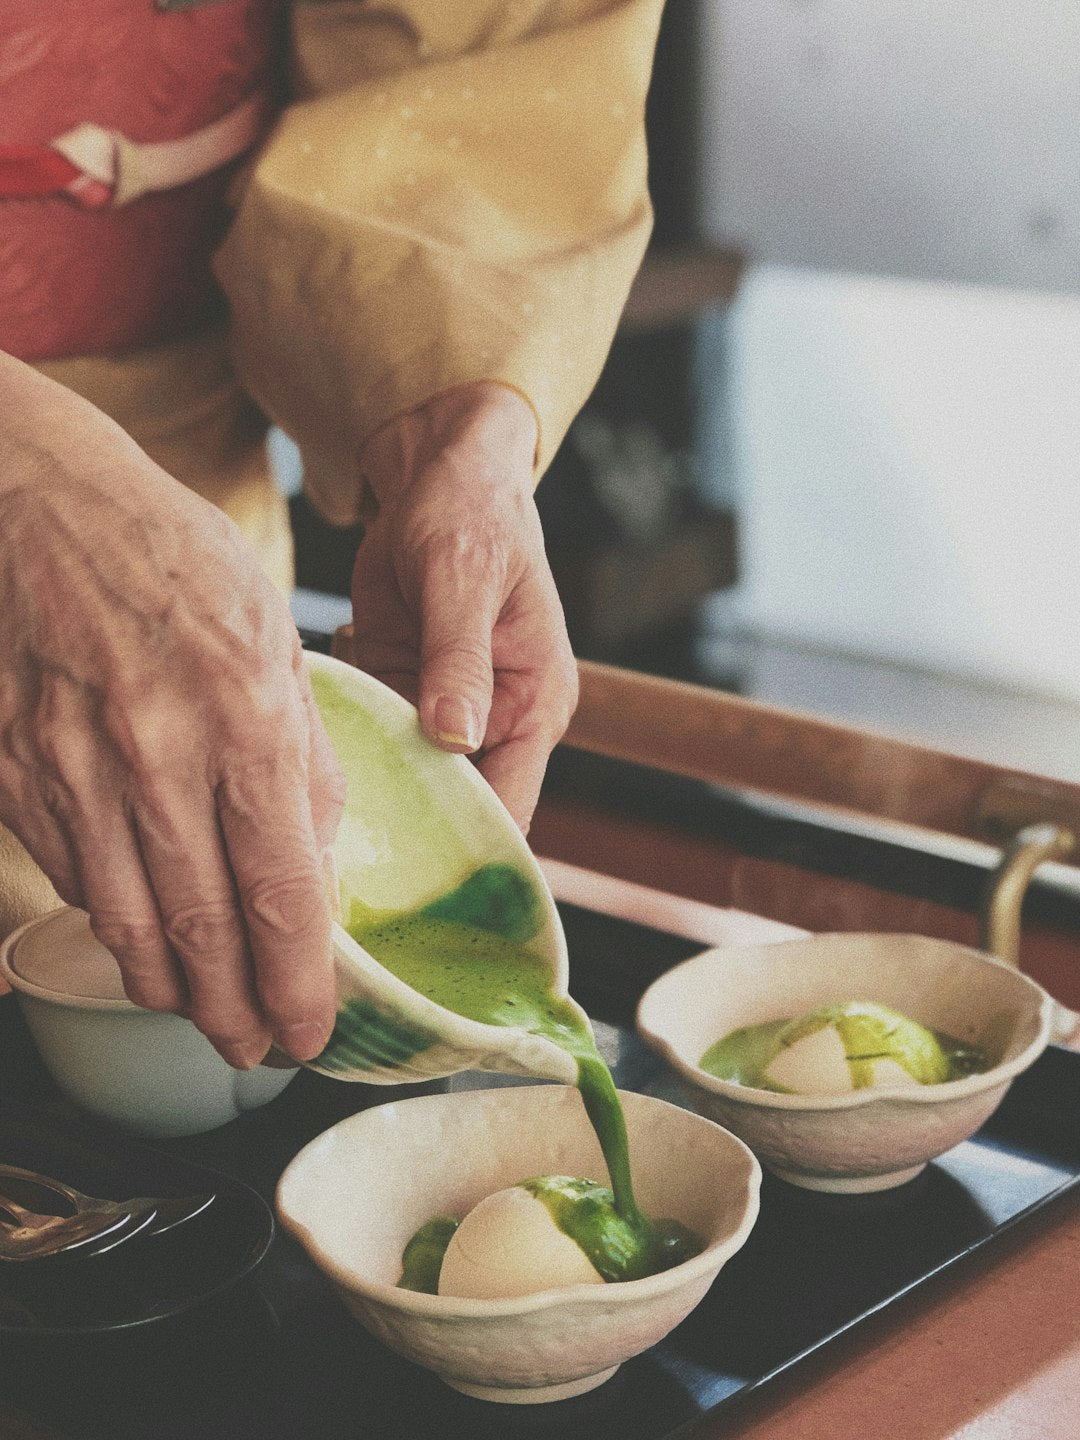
(467, 951)
(849, 1046)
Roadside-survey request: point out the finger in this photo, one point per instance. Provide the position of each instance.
(82, 795)
(384, 638)
(461, 595)
(47, 845)
(24, 809)
(123, 912)
(515, 771)
(535, 696)
(326, 779)
(277, 865)
(189, 871)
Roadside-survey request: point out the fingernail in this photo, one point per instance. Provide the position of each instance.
(303, 1041)
(276, 1059)
(245, 1057)
(455, 722)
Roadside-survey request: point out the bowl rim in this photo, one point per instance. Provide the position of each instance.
(927, 1095)
(413, 1302)
(63, 999)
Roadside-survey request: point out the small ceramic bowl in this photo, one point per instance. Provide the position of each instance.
(358, 1192)
(419, 822)
(868, 1139)
(152, 1073)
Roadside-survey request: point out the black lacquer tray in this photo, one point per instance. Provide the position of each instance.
(270, 1354)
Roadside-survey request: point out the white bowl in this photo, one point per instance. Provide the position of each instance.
(869, 1139)
(359, 1191)
(152, 1073)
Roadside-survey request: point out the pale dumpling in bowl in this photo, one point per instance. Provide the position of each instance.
(508, 1245)
(838, 1048)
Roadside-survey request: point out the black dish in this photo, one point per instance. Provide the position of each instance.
(149, 1279)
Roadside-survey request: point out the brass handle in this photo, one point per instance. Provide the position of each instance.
(999, 918)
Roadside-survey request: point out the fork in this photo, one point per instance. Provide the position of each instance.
(34, 1233)
(28, 1235)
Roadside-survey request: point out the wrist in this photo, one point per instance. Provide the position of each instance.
(47, 431)
(485, 433)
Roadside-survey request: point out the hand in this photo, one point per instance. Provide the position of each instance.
(453, 601)
(161, 757)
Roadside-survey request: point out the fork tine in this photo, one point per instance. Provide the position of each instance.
(171, 1213)
(17, 1243)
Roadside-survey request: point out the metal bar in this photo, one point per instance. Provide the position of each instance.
(999, 920)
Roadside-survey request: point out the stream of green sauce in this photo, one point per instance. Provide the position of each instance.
(468, 952)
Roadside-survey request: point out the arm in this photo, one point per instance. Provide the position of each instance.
(160, 755)
(459, 195)
(425, 273)
(453, 601)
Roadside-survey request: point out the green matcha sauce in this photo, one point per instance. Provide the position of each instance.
(467, 951)
(422, 1258)
(617, 1248)
(744, 1055)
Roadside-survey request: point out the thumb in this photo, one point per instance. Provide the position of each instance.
(456, 675)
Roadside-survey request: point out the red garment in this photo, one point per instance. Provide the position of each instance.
(77, 281)
(27, 170)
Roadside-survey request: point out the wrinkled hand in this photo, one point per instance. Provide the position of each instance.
(160, 753)
(453, 601)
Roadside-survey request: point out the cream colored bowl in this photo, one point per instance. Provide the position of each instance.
(356, 1194)
(152, 1073)
(868, 1139)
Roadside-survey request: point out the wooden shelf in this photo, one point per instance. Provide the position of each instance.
(675, 285)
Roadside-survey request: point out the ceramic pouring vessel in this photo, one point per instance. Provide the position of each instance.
(420, 824)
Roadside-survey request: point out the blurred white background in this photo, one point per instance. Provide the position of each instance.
(938, 139)
(903, 360)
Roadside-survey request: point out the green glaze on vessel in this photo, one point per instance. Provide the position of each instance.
(869, 1032)
(422, 1258)
(364, 1038)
